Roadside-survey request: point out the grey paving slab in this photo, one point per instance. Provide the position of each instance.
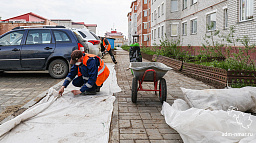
(142, 122)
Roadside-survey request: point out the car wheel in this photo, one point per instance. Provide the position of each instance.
(58, 69)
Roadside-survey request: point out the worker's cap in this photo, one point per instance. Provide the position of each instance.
(75, 55)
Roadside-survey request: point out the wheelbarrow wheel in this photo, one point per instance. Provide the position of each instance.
(134, 90)
(163, 90)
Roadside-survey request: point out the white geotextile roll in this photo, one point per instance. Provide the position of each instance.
(222, 99)
(206, 126)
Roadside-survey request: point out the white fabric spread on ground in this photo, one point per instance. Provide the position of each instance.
(66, 119)
(222, 99)
(206, 126)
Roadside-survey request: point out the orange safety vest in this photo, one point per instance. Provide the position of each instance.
(103, 71)
(104, 44)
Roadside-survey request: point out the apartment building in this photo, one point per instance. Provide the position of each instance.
(188, 20)
(140, 16)
(132, 24)
(165, 18)
(143, 22)
(118, 36)
(196, 15)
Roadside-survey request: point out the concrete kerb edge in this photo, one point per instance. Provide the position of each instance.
(34, 100)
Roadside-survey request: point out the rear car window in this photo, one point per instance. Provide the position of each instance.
(88, 35)
(13, 38)
(61, 36)
(83, 35)
(95, 35)
(39, 37)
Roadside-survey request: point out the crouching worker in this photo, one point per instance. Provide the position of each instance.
(91, 73)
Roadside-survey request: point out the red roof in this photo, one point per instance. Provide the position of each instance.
(78, 23)
(31, 17)
(90, 25)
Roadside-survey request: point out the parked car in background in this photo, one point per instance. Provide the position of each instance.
(91, 39)
(42, 48)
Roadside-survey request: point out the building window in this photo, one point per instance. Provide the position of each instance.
(159, 11)
(174, 29)
(154, 33)
(152, 15)
(145, 13)
(185, 4)
(162, 34)
(184, 28)
(193, 2)
(211, 21)
(145, 26)
(158, 32)
(174, 5)
(145, 1)
(162, 10)
(194, 26)
(155, 14)
(135, 7)
(246, 10)
(225, 18)
(145, 37)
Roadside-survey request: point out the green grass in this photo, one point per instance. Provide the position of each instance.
(125, 47)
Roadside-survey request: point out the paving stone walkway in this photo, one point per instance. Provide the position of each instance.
(142, 122)
(131, 123)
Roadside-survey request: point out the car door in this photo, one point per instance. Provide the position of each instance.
(37, 48)
(10, 48)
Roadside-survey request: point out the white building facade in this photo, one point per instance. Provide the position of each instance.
(187, 20)
(132, 23)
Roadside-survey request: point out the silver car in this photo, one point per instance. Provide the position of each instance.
(91, 39)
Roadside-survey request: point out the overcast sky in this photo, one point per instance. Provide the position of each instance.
(106, 14)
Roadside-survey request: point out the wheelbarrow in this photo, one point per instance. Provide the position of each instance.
(149, 72)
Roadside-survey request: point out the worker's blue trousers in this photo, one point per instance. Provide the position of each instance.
(79, 82)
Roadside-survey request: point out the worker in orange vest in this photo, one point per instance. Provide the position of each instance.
(91, 71)
(107, 47)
